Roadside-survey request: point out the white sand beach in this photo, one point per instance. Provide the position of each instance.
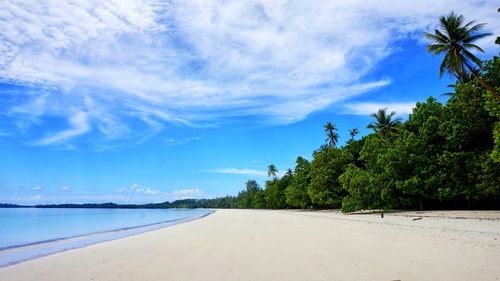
(289, 245)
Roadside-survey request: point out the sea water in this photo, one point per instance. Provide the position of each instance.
(27, 233)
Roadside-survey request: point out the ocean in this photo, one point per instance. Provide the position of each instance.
(27, 233)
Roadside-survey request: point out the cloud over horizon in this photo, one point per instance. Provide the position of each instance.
(188, 193)
(238, 171)
(65, 189)
(367, 108)
(136, 188)
(100, 65)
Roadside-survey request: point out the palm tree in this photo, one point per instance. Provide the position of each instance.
(498, 38)
(454, 39)
(383, 124)
(353, 132)
(331, 134)
(271, 171)
(463, 77)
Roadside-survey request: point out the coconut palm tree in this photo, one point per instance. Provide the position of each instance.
(383, 124)
(331, 134)
(353, 132)
(454, 39)
(498, 38)
(271, 171)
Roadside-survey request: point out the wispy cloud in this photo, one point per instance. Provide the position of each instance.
(238, 171)
(188, 193)
(65, 189)
(79, 126)
(172, 141)
(135, 188)
(367, 108)
(36, 188)
(28, 200)
(193, 62)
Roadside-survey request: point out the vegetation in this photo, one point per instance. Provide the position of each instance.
(455, 40)
(331, 134)
(383, 124)
(353, 132)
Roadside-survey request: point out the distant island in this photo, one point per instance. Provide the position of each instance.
(184, 203)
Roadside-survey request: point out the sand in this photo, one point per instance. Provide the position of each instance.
(289, 245)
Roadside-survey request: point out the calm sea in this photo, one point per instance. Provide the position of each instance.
(26, 233)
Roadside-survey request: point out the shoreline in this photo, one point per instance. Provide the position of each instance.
(285, 245)
(16, 254)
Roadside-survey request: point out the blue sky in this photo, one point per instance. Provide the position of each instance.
(147, 101)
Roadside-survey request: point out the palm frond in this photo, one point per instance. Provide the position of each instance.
(476, 37)
(476, 28)
(473, 58)
(472, 46)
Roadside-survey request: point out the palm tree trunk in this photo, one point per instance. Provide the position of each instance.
(481, 81)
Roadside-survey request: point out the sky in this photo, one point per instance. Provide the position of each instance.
(132, 101)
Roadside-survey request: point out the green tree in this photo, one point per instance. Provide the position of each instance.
(247, 198)
(363, 188)
(331, 134)
(296, 192)
(325, 190)
(368, 187)
(425, 121)
(489, 180)
(271, 171)
(455, 39)
(498, 38)
(384, 124)
(354, 148)
(275, 191)
(468, 128)
(492, 77)
(412, 167)
(353, 132)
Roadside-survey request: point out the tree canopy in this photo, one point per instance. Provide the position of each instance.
(455, 40)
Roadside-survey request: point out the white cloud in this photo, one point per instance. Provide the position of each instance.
(79, 126)
(30, 199)
(37, 188)
(150, 191)
(134, 187)
(65, 189)
(192, 62)
(238, 171)
(367, 108)
(172, 141)
(188, 193)
(137, 189)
